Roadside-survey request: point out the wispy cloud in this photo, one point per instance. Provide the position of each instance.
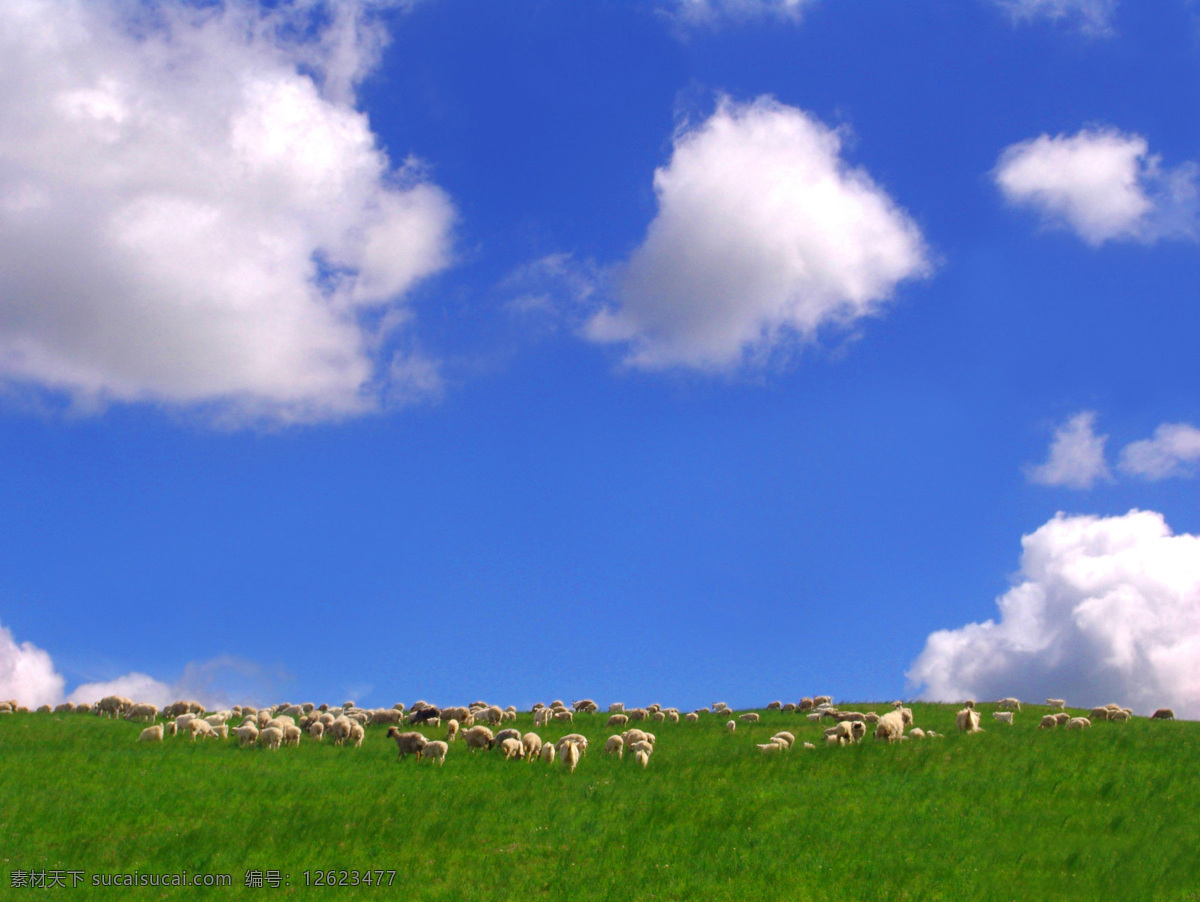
(1090, 16)
(1170, 452)
(1076, 458)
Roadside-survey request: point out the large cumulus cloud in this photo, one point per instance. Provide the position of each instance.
(193, 211)
(764, 235)
(1105, 609)
(27, 673)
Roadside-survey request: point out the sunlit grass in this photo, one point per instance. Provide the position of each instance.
(1013, 813)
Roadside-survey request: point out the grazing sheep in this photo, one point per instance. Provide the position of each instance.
(316, 730)
(637, 713)
(570, 755)
(511, 748)
(291, 735)
(171, 728)
(967, 720)
(749, 717)
(616, 708)
(563, 714)
(916, 733)
(819, 700)
(1062, 717)
(808, 745)
(1120, 716)
(1009, 703)
(580, 741)
(140, 711)
(789, 708)
(247, 734)
(386, 716)
(891, 725)
(451, 730)
(356, 735)
(1003, 717)
(642, 746)
(479, 737)
(548, 752)
(340, 729)
(432, 716)
(585, 705)
(151, 734)
(1163, 714)
(617, 720)
(510, 733)
(615, 745)
(813, 718)
(871, 718)
(410, 743)
(1099, 714)
(659, 717)
(271, 738)
(1059, 703)
(641, 758)
(635, 735)
(434, 750)
(805, 704)
(201, 728)
(731, 725)
(533, 745)
(770, 748)
(691, 717)
(846, 732)
(1078, 723)
(786, 736)
(775, 706)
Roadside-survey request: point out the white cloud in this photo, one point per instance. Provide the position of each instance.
(1103, 184)
(27, 673)
(713, 12)
(1076, 455)
(763, 236)
(193, 212)
(1168, 453)
(1091, 16)
(1107, 609)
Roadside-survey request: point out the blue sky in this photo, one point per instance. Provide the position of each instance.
(650, 352)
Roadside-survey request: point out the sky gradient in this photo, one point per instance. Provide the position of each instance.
(671, 352)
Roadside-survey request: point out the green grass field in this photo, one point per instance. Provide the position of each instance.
(1010, 814)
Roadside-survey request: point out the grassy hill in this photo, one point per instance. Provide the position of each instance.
(1014, 813)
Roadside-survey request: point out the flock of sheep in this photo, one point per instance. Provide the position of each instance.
(285, 725)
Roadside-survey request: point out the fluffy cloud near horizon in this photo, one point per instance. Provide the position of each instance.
(1168, 453)
(1102, 184)
(1076, 458)
(1105, 609)
(28, 674)
(764, 235)
(193, 212)
(1090, 16)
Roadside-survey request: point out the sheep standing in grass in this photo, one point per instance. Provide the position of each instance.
(1003, 717)
(316, 730)
(478, 737)
(570, 755)
(434, 750)
(357, 734)
(151, 734)
(749, 717)
(615, 745)
(786, 737)
(1009, 703)
(201, 728)
(731, 725)
(533, 746)
(891, 725)
(1163, 714)
(291, 735)
(247, 734)
(1062, 717)
(511, 748)
(1078, 723)
(691, 717)
(771, 748)
(409, 743)
(617, 720)
(340, 729)
(451, 730)
(967, 719)
(642, 758)
(271, 738)
(548, 752)
(1059, 703)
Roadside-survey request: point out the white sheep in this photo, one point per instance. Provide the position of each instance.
(151, 734)
(916, 733)
(1009, 703)
(615, 745)
(809, 745)
(271, 738)
(967, 720)
(1049, 722)
(642, 746)
(1078, 723)
(316, 730)
(511, 748)
(291, 735)
(891, 725)
(1059, 703)
(691, 717)
(1003, 717)
(356, 735)
(786, 737)
(641, 758)
(570, 755)
(548, 752)
(340, 729)
(247, 734)
(749, 717)
(731, 725)
(617, 720)
(478, 737)
(434, 750)
(533, 746)
(201, 728)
